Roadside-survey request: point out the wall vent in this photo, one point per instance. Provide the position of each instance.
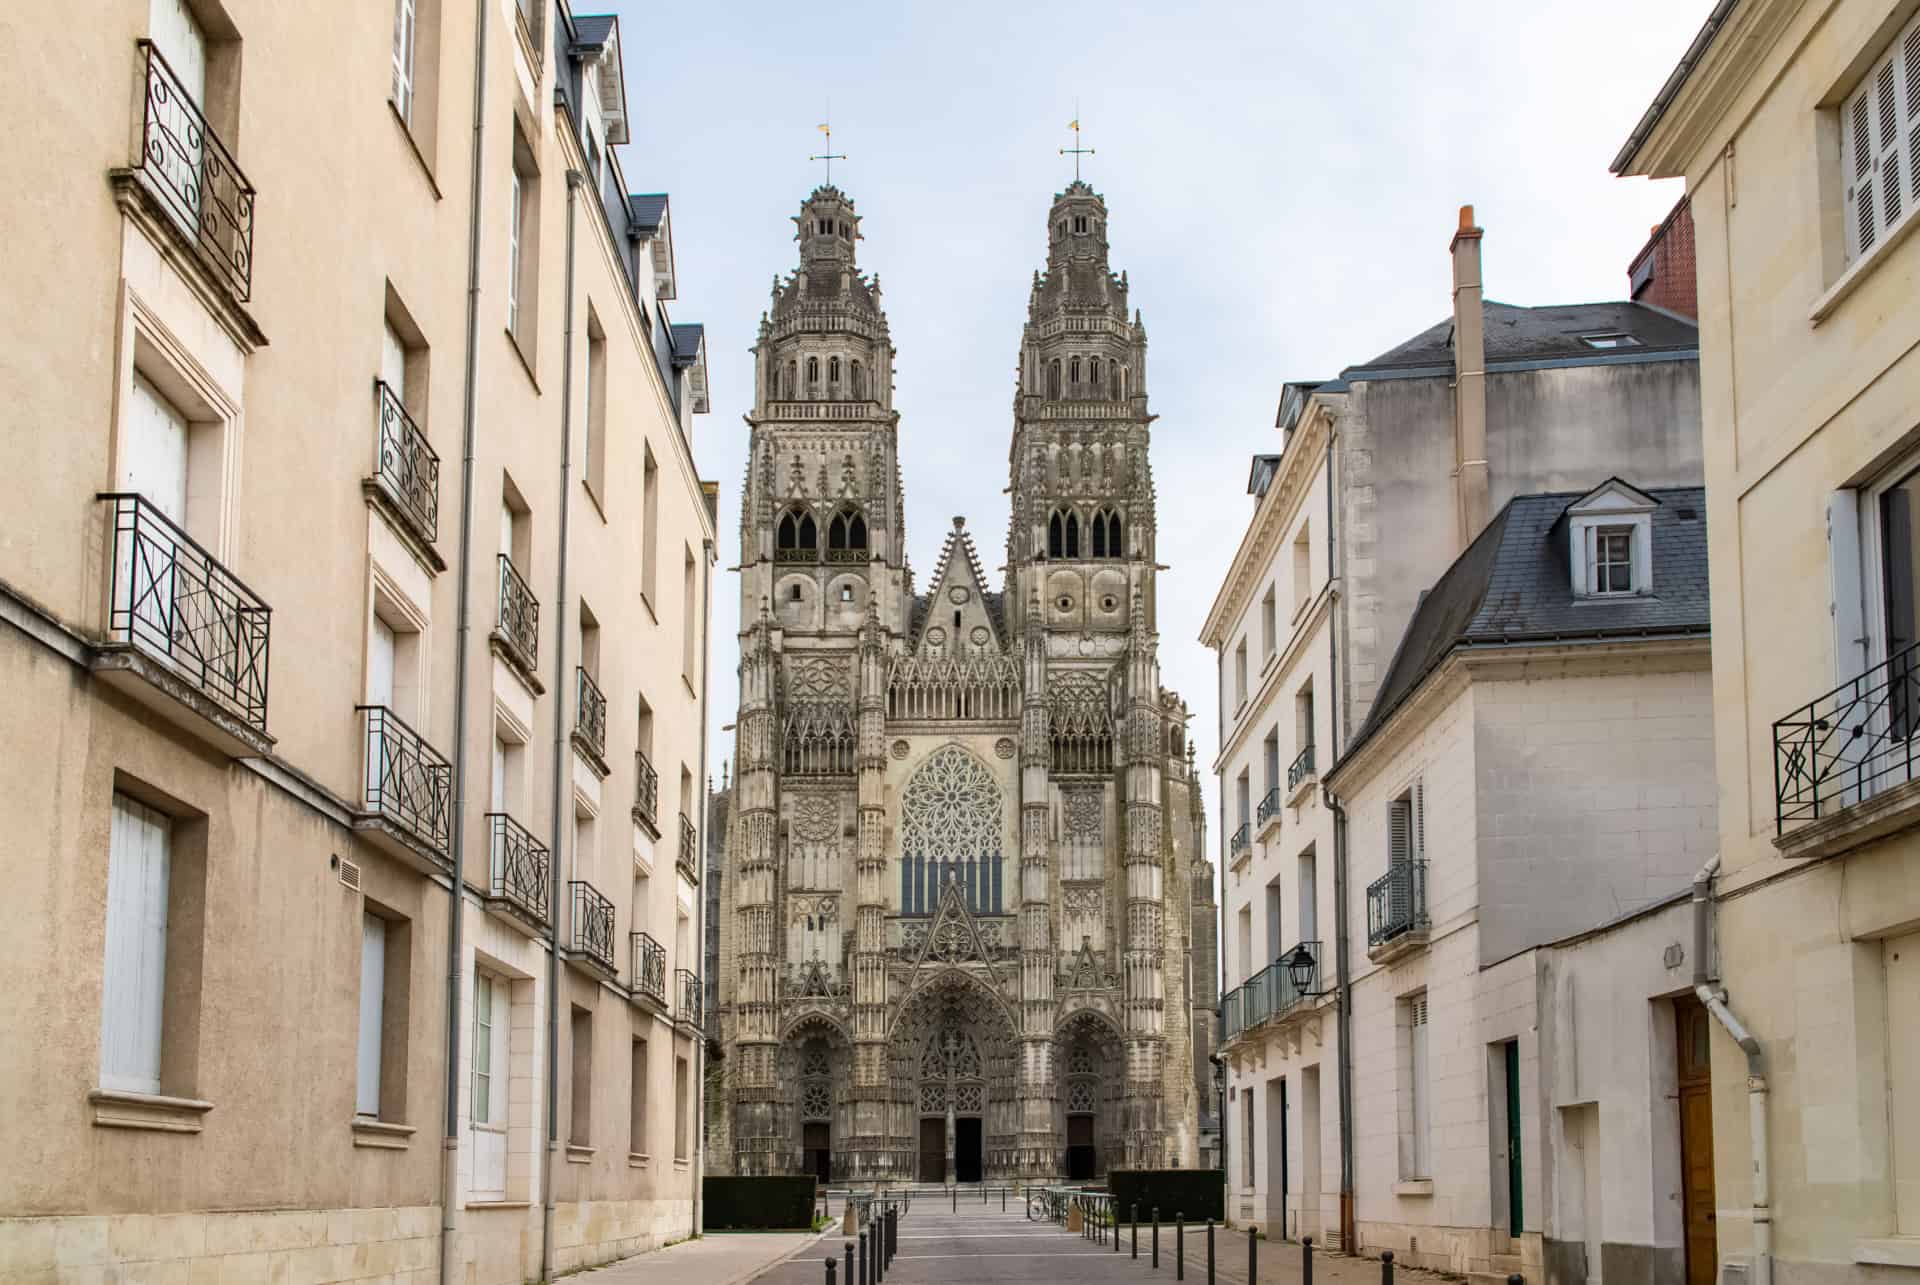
(350, 874)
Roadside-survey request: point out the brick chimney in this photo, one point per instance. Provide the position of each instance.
(1663, 273)
(1469, 381)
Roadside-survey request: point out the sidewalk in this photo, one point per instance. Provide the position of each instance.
(717, 1258)
(1279, 1261)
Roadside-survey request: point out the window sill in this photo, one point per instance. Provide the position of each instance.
(155, 1112)
(681, 1164)
(577, 1155)
(526, 361)
(1413, 1187)
(413, 145)
(1889, 1251)
(638, 1160)
(499, 1204)
(1858, 271)
(382, 1134)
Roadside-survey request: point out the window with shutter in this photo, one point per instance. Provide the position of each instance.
(404, 19)
(1418, 836)
(1880, 145)
(373, 985)
(1417, 1085)
(133, 985)
(513, 255)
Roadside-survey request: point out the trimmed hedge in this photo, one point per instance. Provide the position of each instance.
(780, 1203)
(1198, 1194)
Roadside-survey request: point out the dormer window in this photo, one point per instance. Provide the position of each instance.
(1609, 534)
(1614, 339)
(1609, 560)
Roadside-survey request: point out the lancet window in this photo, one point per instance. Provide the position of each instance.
(1080, 722)
(1053, 378)
(796, 538)
(950, 828)
(847, 536)
(1063, 534)
(1106, 534)
(818, 739)
(859, 381)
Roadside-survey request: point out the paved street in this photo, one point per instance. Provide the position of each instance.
(979, 1244)
(718, 1258)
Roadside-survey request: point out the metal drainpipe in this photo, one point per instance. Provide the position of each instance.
(1342, 938)
(1716, 1004)
(574, 179)
(1220, 1003)
(456, 902)
(699, 1086)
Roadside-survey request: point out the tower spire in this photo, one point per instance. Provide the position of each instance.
(1076, 151)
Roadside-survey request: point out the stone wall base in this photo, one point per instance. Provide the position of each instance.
(1462, 1250)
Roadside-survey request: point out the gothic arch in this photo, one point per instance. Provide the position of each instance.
(1053, 379)
(847, 531)
(1106, 534)
(859, 383)
(952, 826)
(796, 536)
(1089, 1065)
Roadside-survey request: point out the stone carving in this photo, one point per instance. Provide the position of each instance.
(816, 818)
(819, 678)
(816, 1100)
(1085, 809)
(958, 594)
(950, 810)
(901, 749)
(1004, 747)
(1080, 1096)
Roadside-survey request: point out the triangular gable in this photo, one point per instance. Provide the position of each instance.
(953, 937)
(1614, 496)
(957, 576)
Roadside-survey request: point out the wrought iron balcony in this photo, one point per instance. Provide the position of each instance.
(646, 794)
(193, 176)
(171, 601)
(1241, 838)
(590, 714)
(1269, 806)
(592, 926)
(687, 990)
(407, 783)
(1301, 768)
(1849, 744)
(649, 968)
(1397, 906)
(519, 872)
(404, 465)
(519, 614)
(689, 859)
(1273, 992)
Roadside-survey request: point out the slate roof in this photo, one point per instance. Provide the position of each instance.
(1543, 334)
(648, 209)
(1512, 585)
(591, 32)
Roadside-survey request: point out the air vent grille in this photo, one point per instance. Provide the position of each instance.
(350, 874)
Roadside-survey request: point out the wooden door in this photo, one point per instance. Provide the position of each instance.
(969, 1149)
(933, 1149)
(1693, 1040)
(1080, 1153)
(816, 1139)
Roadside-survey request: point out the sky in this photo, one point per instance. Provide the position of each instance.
(1282, 181)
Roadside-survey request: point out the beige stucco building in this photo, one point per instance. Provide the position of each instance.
(356, 559)
(1797, 128)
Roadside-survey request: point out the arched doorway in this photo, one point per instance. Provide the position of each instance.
(1087, 1061)
(953, 1068)
(813, 1064)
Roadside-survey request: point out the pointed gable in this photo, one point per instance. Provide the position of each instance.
(957, 605)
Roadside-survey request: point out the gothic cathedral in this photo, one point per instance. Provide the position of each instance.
(965, 849)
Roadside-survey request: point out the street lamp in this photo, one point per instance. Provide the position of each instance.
(1220, 1109)
(1301, 967)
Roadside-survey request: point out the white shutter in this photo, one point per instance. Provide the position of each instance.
(1309, 909)
(393, 359)
(1880, 144)
(153, 455)
(1417, 1020)
(177, 35)
(182, 46)
(506, 531)
(403, 47)
(1399, 831)
(373, 985)
(1418, 847)
(133, 986)
(1846, 584)
(380, 649)
(497, 800)
(482, 1049)
(513, 256)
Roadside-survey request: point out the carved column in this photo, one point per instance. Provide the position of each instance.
(1143, 979)
(869, 1156)
(1038, 1146)
(760, 1146)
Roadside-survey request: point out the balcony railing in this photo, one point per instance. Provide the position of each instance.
(404, 464)
(689, 850)
(519, 613)
(519, 869)
(1301, 768)
(407, 782)
(1241, 838)
(847, 555)
(193, 175)
(1269, 806)
(808, 554)
(1849, 744)
(1396, 903)
(1271, 992)
(687, 989)
(170, 600)
(646, 793)
(649, 968)
(592, 924)
(590, 713)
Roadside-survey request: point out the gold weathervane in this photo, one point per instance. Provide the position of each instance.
(829, 156)
(1076, 151)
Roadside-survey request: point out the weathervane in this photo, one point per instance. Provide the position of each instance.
(1076, 151)
(829, 156)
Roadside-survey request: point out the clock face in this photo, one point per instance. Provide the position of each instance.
(957, 594)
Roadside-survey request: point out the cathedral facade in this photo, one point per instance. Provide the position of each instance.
(965, 844)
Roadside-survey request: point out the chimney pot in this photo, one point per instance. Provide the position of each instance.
(1466, 218)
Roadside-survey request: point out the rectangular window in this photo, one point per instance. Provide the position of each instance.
(1302, 568)
(1269, 625)
(1407, 826)
(1880, 145)
(1270, 755)
(580, 1128)
(516, 195)
(682, 1108)
(1415, 1159)
(134, 982)
(523, 246)
(1242, 788)
(689, 623)
(594, 422)
(637, 1108)
(1902, 958)
(1246, 1140)
(1307, 894)
(492, 1030)
(650, 535)
(405, 26)
(1274, 931)
(1240, 675)
(373, 990)
(1610, 559)
(1245, 925)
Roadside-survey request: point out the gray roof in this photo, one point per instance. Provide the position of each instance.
(1542, 334)
(591, 32)
(1513, 585)
(647, 211)
(687, 337)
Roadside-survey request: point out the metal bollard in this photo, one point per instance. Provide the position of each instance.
(1156, 1238)
(1386, 1267)
(1306, 1260)
(1179, 1245)
(1515, 1278)
(893, 1234)
(879, 1253)
(956, 1198)
(1253, 1256)
(1210, 1252)
(1135, 1224)
(829, 1270)
(1003, 1200)
(849, 1263)
(1113, 1212)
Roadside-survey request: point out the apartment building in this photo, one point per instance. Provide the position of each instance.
(1383, 476)
(1797, 129)
(357, 606)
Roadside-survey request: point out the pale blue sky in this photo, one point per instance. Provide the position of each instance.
(1282, 178)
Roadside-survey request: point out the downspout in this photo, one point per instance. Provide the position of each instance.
(1342, 941)
(699, 1086)
(463, 627)
(1220, 1002)
(574, 179)
(1716, 1004)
